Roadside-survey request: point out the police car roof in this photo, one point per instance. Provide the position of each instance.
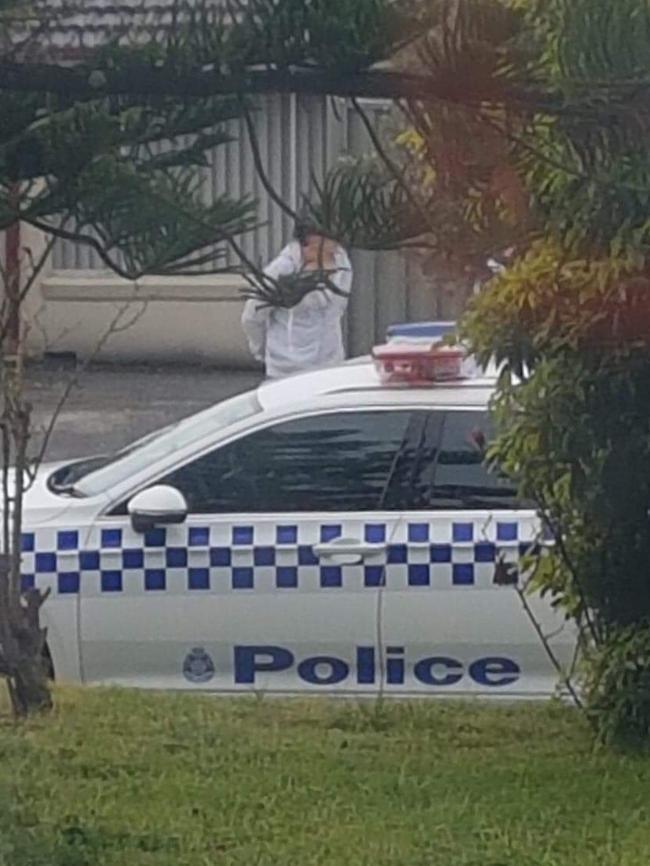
(360, 377)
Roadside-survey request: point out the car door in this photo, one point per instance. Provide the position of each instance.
(453, 621)
(272, 582)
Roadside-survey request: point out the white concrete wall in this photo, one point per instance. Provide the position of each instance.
(33, 245)
(99, 316)
(96, 315)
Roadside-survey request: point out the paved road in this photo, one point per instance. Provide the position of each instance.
(110, 406)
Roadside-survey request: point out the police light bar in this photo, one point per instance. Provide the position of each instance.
(421, 332)
(418, 363)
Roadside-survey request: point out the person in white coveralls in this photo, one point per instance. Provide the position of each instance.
(307, 335)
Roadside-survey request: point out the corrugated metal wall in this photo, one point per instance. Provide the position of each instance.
(300, 138)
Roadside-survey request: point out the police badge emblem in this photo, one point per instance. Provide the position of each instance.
(198, 666)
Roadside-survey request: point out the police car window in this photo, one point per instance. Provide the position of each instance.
(461, 478)
(334, 462)
(412, 479)
(90, 477)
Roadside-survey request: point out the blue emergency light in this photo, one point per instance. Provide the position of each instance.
(420, 330)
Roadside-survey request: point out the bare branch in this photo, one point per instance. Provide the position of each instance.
(36, 269)
(60, 232)
(259, 165)
(148, 80)
(393, 168)
(548, 649)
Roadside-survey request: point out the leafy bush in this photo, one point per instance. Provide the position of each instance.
(574, 414)
(618, 686)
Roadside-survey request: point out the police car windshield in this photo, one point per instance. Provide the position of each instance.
(98, 474)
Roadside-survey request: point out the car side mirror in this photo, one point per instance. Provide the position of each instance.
(160, 505)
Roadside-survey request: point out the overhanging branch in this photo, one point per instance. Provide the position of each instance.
(83, 82)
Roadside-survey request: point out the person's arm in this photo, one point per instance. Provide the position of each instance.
(285, 263)
(254, 322)
(326, 299)
(255, 318)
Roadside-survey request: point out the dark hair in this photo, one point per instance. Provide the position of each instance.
(302, 230)
(305, 227)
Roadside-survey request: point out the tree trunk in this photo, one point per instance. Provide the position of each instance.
(23, 658)
(30, 691)
(22, 641)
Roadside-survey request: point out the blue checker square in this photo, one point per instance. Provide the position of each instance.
(331, 576)
(462, 532)
(176, 557)
(111, 581)
(199, 536)
(375, 533)
(220, 557)
(68, 582)
(68, 540)
(112, 538)
(463, 574)
(45, 563)
(331, 531)
(418, 532)
(441, 553)
(132, 558)
(89, 560)
(27, 582)
(155, 537)
(373, 575)
(242, 578)
(243, 534)
(306, 556)
(27, 542)
(419, 575)
(529, 548)
(507, 531)
(397, 554)
(484, 551)
(264, 556)
(154, 578)
(286, 577)
(286, 535)
(198, 578)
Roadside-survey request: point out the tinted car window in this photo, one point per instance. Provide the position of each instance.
(462, 479)
(98, 474)
(335, 462)
(412, 480)
(447, 468)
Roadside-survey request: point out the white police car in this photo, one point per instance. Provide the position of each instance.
(324, 533)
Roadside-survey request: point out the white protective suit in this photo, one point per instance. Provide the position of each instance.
(306, 336)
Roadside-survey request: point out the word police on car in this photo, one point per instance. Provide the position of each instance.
(436, 671)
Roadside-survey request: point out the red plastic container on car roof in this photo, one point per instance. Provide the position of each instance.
(418, 363)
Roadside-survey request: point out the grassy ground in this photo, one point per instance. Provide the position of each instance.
(117, 777)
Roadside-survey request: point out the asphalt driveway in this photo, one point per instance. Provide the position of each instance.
(109, 406)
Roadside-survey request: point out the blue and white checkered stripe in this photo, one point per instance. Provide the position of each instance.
(269, 556)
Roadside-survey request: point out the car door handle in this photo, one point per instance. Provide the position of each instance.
(347, 551)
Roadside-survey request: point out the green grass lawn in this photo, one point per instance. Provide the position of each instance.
(118, 777)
